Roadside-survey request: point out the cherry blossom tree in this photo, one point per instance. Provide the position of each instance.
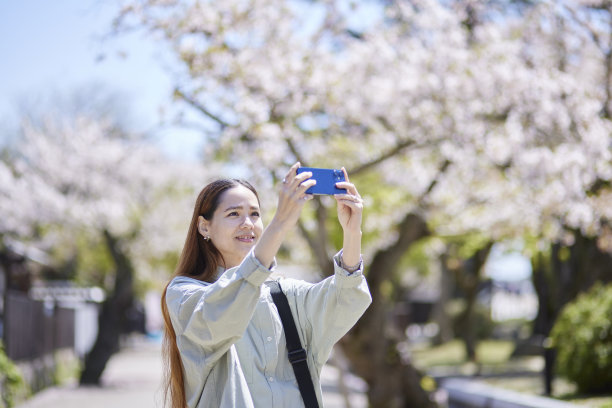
(457, 119)
(80, 179)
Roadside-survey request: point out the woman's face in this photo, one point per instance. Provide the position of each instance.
(235, 226)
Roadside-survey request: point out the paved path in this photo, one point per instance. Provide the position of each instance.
(132, 379)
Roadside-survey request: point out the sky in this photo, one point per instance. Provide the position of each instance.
(56, 47)
(507, 264)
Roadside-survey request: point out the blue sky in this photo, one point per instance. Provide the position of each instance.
(55, 46)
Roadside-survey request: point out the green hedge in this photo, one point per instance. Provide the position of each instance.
(12, 386)
(582, 337)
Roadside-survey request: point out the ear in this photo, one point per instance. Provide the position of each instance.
(203, 226)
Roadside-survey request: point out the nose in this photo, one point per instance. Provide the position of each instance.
(247, 223)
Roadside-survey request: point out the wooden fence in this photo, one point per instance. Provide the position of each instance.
(34, 328)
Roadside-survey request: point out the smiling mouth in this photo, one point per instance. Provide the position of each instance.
(246, 238)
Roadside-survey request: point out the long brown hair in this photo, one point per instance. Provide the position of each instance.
(199, 260)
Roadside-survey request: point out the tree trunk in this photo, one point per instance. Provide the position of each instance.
(560, 278)
(569, 271)
(319, 244)
(440, 315)
(468, 276)
(372, 345)
(112, 317)
(543, 283)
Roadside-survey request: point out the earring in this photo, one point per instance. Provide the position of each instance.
(206, 238)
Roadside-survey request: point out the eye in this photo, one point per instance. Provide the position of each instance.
(232, 214)
(255, 214)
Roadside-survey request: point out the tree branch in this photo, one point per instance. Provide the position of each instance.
(319, 250)
(195, 104)
(398, 148)
(589, 28)
(434, 182)
(293, 149)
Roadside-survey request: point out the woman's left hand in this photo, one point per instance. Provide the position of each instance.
(350, 206)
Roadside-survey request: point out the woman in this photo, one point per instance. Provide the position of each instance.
(224, 342)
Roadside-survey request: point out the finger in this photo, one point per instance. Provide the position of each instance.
(353, 207)
(302, 177)
(350, 187)
(345, 174)
(356, 207)
(305, 186)
(291, 173)
(349, 197)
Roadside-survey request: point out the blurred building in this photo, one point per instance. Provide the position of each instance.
(512, 295)
(505, 293)
(42, 321)
(514, 300)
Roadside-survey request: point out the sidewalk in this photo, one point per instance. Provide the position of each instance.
(132, 379)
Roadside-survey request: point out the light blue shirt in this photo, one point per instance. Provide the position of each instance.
(231, 338)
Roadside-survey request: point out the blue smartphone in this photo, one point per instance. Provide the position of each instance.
(326, 180)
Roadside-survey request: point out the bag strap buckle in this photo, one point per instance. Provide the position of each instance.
(297, 356)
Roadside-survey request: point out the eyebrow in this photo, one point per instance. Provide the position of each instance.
(239, 207)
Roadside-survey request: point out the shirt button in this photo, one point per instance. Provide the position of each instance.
(271, 379)
(269, 338)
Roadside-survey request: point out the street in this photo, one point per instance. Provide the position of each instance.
(132, 379)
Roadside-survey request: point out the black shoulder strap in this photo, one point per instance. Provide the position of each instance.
(297, 355)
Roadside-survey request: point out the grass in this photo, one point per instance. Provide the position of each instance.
(488, 352)
(67, 367)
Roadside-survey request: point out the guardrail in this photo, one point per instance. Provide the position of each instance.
(473, 394)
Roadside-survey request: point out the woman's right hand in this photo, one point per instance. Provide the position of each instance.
(291, 200)
(292, 197)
